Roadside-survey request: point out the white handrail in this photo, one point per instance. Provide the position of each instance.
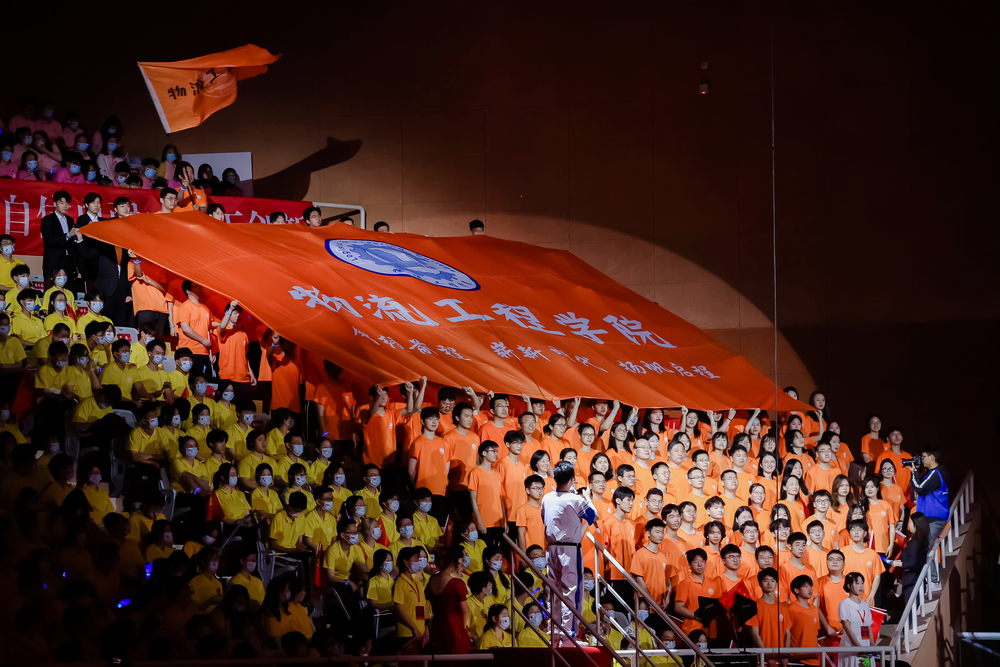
(361, 209)
(921, 589)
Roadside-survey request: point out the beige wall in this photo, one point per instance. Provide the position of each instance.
(579, 126)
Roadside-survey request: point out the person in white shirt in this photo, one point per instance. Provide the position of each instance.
(856, 618)
(563, 513)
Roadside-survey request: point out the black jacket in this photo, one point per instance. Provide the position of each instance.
(59, 249)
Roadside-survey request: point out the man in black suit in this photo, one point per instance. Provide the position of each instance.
(104, 267)
(59, 239)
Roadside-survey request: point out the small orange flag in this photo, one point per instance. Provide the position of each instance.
(189, 91)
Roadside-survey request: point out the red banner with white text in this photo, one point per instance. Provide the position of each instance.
(25, 203)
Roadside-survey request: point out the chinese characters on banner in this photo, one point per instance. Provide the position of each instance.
(25, 203)
(465, 311)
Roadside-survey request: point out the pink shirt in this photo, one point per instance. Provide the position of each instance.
(65, 176)
(20, 121)
(69, 137)
(23, 175)
(51, 127)
(8, 169)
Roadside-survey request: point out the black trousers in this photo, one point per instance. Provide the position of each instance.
(160, 322)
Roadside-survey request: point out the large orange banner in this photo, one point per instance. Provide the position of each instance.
(466, 311)
(187, 92)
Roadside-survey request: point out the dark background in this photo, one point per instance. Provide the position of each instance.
(579, 125)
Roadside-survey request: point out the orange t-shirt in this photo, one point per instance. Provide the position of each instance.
(819, 479)
(512, 477)
(464, 451)
(380, 436)
(233, 364)
(831, 594)
(688, 592)
(643, 480)
(485, 483)
(188, 199)
(903, 473)
(880, 517)
(339, 406)
(804, 625)
(199, 319)
(699, 503)
(619, 538)
(787, 574)
(817, 561)
(145, 296)
(285, 382)
(767, 620)
(432, 460)
(871, 446)
(893, 494)
(867, 563)
(529, 517)
(655, 570)
(489, 431)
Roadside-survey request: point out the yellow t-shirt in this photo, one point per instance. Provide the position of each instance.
(341, 562)
(123, 377)
(178, 380)
(200, 434)
(247, 467)
(212, 466)
(180, 466)
(6, 266)
(238, 439)
(409, 593)
(11, 298)
(372, 503)
(489, 640)
(30, 329)
(81, 324)
(265, 500)
(528, 638)
(151, 380)
(477, 615)
(11, 427)
(52, 320)
(138, 356)
(11, 351)
(234, 503)
(141, 525)
(316, 470)
(70, 301)
(426, 530)
(380, 589)
(80, 379)
(287, 531)
(276, 444)
(322, 530)
(100, 503)
(170, 440)
(195, 403)
(51, 380)
(155, 551)
(88, 411)
(224, 416)
(56, 493)
(297, 620)
(204, 588)
(140, 441)
(254, 586)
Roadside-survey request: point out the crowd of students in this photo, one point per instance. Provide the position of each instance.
(383, 504)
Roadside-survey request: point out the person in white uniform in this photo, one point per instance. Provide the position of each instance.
(563, 513)
(856, 618)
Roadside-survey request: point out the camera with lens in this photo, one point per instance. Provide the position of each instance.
(911, 463)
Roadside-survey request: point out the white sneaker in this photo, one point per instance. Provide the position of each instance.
(935, 586)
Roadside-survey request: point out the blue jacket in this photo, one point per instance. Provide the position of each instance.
(932, 495)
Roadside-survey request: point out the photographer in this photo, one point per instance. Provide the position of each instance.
(932, 500)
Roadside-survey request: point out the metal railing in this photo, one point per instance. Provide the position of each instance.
(351, 209)
(599, 551)
(280, 661)
(908, 622)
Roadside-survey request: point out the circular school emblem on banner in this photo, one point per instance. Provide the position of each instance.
(387, 259)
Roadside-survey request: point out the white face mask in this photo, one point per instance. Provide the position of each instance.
(535, 619)
(387, 566)
(504, 622)
(95, 479)
(473, 535)
(353, 539)
(110, 336)
(703, 646)
(251, 565)
(175, 420)
(84, 361)
(233, 481)
(4, 330)
(96, 306)
(300, 480)
(266, 480)
(643, 614)
(61, 306)
(495, 565)
(377, 533)
(406, 531)
(60, 280)
(375, 480)
(540, 563)
(588, 584)
(157, 359)
(339, 480)
(298, 449)
(4, 415)
(248, 419)
(9, 250)
(327, 505)
(393, 506)
(154, 422)
(326, 452)
(420, 565)
(209, 540)
(201, 387)
(425, 507)
(361, 511)
(22, 281)
(228, 395)
(186, 365)
(168, 538)
(204, 420)
(192, 451)
(670, 645)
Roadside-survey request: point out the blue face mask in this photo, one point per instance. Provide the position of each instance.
(112, 147)
(74, 169)
(82, 147)
(28, 140)
(171, 157)
(91, 175)
(32, 165)
(150, 173)
(122, 179)
(7, 155)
